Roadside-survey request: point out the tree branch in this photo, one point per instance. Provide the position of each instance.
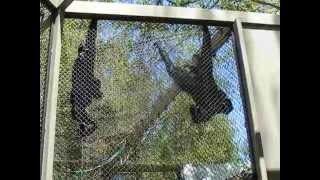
(164, 100)
(159, 106)
(266, 3)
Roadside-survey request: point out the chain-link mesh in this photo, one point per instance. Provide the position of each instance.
(134, 103)
(44, 43)
(44, 13)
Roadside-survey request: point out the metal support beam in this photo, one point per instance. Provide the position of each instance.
(62, 4)
(53, 3)
(47, 153)
(150, 13)
(247, 91)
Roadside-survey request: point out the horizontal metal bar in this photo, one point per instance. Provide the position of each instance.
(141, 168)
(125, 167)
(150, 13)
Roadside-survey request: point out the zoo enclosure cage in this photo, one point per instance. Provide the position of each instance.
(78, 11)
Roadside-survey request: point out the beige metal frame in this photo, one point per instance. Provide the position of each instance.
(151, 13)
(247, 91)
(48, 133)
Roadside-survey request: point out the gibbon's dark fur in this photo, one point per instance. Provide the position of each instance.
(199, 82)
(85, 86)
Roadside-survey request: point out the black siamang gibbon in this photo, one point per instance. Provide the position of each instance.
(198, 82)
(85, 86)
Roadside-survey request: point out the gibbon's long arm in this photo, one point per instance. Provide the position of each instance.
(181, 77)
(218, 40)
(165, 58)
(205, 61)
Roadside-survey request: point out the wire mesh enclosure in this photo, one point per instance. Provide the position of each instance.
(44, 13)
(149, 101)
(44, 44)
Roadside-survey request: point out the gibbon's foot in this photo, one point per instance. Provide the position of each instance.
(195, 114)
(199, 115)
(227, 106)
(86, 129)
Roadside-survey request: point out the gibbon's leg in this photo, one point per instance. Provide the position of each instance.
(205, 62)
(165, 58)
(210, 100)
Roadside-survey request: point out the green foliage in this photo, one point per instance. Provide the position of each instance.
(180, 141)
(128, 92)
(66, 133)
(44, 42)
(249, 6)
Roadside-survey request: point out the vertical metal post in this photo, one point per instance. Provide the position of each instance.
(47, 154)
(247, 90)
